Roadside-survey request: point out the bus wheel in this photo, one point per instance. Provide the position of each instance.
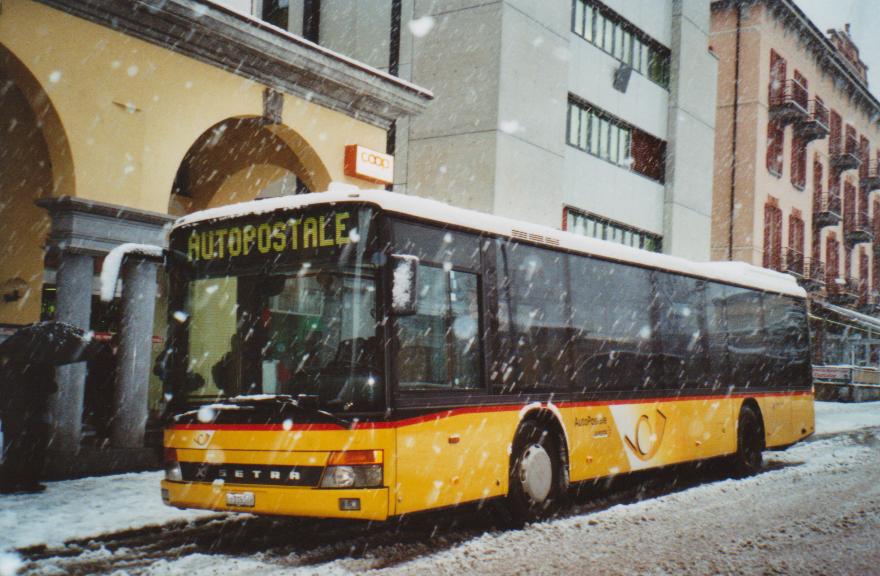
(537, 485)
(750, 443)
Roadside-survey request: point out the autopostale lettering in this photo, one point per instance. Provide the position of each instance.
(308, 232)
(591, 420)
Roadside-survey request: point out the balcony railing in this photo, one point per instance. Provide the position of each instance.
(845, 152)
(826, 209)
(843, 291)
(857, 227)
(862, 291)
(815, 125)
(790, 103)
(871, 304)
(814, 274)
(794, 262)
(871, 182)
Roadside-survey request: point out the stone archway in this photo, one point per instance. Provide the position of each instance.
(37, 165)
(240, 159)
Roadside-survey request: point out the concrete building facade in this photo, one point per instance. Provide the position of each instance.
(596, 117)
(118, 117)
(797, 150)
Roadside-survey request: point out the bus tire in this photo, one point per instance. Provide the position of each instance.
(749, 443)
(536, 487)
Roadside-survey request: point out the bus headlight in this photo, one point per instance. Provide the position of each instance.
(173, 472)
(352, 476)
(172, 466)
(353, 469)
(340, 477)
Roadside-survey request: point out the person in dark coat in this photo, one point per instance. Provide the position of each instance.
(24, 407)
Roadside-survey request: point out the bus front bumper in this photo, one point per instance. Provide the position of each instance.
(372, 503)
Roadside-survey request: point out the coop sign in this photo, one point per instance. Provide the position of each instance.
(292, 234)
(369, 164)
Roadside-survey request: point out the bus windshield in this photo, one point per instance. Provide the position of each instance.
(304, 327)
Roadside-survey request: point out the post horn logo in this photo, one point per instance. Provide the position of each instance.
(647, 436)
(203, 438)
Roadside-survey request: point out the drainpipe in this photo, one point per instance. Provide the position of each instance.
(733, 133)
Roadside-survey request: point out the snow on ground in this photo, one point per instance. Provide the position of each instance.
(833, 417)
(85, 507)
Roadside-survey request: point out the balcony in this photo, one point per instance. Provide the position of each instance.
(871, 304)
(842, 291)
(871, 182)
(794, 263)
(826, 210)
(813, 276)
(845, 155)
(857, 227)
(790, 104)
(815, 125)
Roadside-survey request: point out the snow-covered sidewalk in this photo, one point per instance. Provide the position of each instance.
(83, 508)
(87, 507)
(834, 417)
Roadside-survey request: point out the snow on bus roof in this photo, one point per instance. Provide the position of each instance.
(434, 210)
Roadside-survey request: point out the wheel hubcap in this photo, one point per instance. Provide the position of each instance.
(536, 473)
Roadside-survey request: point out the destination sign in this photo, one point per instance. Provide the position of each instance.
(274, 237)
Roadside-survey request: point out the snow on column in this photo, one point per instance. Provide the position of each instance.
(74, 305)
(135, 337)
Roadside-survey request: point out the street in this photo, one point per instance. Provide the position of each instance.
(814, 509)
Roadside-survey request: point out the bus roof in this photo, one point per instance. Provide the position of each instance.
(433, 210)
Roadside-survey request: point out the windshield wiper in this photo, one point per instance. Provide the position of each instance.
(285, 400)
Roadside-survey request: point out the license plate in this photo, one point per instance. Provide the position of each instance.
(240, 499)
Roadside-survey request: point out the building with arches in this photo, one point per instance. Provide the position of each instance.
(119, 117)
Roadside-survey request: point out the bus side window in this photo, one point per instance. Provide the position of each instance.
(717, 376)
(439, 346)
(614, 342)
(534, 318)
(682, 331)
(788, 347)
(746, 342)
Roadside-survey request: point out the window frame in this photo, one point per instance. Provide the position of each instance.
(403, 399)
(594, 131)
(602, 226)
(618, 37)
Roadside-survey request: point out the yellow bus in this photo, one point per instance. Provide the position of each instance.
(365, 354)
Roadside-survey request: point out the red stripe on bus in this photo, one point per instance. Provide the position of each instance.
(466, 410)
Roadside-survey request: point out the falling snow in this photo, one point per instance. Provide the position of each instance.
(420, 27)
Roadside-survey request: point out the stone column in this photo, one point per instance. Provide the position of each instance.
(135, 338)
(74, 305)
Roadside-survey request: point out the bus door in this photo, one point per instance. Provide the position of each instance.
(439, 364)
(441, 441)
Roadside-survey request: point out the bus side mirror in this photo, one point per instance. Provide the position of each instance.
(403, 284)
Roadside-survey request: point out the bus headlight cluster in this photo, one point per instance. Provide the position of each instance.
(172, 466)
(352, 476)
(353, 469)
(173, 472)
